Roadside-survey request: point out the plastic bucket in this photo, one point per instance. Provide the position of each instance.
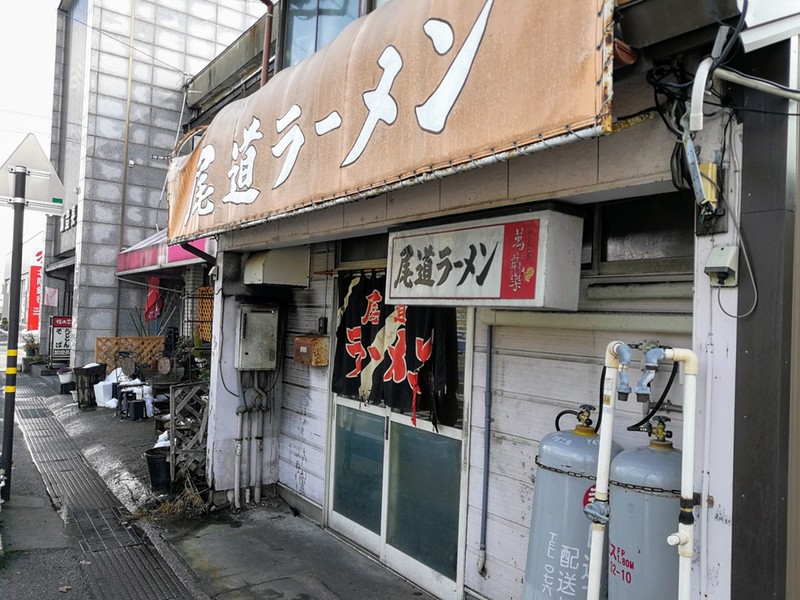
(158, 468)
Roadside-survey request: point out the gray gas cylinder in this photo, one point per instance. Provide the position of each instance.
(640, 562)
(558, 548)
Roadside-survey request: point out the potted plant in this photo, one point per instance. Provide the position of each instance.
(30, 344)
(65, 375)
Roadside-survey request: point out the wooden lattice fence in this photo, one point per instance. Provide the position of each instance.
(143, 350)
(188, 429)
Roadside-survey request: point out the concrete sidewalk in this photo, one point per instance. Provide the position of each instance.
(261, 552)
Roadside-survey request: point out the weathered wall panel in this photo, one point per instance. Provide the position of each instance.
(305, 399)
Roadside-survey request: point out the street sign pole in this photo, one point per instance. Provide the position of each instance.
(20, 174)
(46, 194)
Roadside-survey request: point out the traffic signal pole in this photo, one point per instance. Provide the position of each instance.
(20, 174)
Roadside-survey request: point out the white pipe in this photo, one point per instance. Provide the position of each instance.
(597, 559)
(684, 538)
(698, 94)
(596, 555)
(701, 80)
(241, 408)
(762, 86)
(237, 468)
(248, 451)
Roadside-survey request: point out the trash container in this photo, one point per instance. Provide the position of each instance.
(158, 468)
(85, 380)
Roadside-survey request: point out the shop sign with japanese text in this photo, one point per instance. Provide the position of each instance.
(60, 333)
(530, 260)
(415, 88)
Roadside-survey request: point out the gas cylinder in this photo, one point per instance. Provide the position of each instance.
(644, 501)
(558, 546)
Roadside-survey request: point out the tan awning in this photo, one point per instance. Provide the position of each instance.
(416, 89)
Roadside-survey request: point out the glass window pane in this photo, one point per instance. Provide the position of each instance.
(424, 489)
(358, 467)
(301, 31)
(335, 15)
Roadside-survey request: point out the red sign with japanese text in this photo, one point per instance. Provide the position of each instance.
(520, 251)
(34, 297)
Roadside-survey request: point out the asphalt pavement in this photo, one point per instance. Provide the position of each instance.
(81, 523)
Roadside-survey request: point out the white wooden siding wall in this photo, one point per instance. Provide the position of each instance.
(304, 398)
(536, 373)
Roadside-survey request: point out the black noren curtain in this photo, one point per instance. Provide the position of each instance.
(401, 356)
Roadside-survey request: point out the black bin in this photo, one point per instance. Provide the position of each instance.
(136, 410)
(85, 379)
(158, 468)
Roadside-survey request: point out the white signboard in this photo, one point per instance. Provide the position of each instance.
(528, 260)
(60, 332)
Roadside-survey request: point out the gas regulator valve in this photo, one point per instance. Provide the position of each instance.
(584, 416)
(659, 430)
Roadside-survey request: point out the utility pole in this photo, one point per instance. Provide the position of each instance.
(44, 193)
(20, 175)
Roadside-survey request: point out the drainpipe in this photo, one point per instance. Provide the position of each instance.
(247, 443)
(267, 42)
(486, 444)
(684, 537)
(241, 409)
(617, 361)
(261, 409)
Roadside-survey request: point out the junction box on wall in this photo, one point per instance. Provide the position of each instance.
(722, 264)
(256, 338)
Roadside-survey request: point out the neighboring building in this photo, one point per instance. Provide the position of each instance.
(120, 81)
(426, 137)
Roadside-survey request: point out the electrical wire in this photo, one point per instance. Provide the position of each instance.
(568, 411)
(130, 46)
(219, 362)
(732, 40)
(638, 113)
(600, 399)
(177, 137)
(746, 255)
(753, 110)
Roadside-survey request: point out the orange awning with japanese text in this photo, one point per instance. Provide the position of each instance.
(415, 88)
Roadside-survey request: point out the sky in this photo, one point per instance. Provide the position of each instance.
(27, 55)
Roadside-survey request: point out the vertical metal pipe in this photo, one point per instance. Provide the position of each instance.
(267, 42)
(487, 435)
(20, 173)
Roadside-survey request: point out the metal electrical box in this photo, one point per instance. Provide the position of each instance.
(256, 338)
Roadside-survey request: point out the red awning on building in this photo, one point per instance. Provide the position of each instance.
(154, 254)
